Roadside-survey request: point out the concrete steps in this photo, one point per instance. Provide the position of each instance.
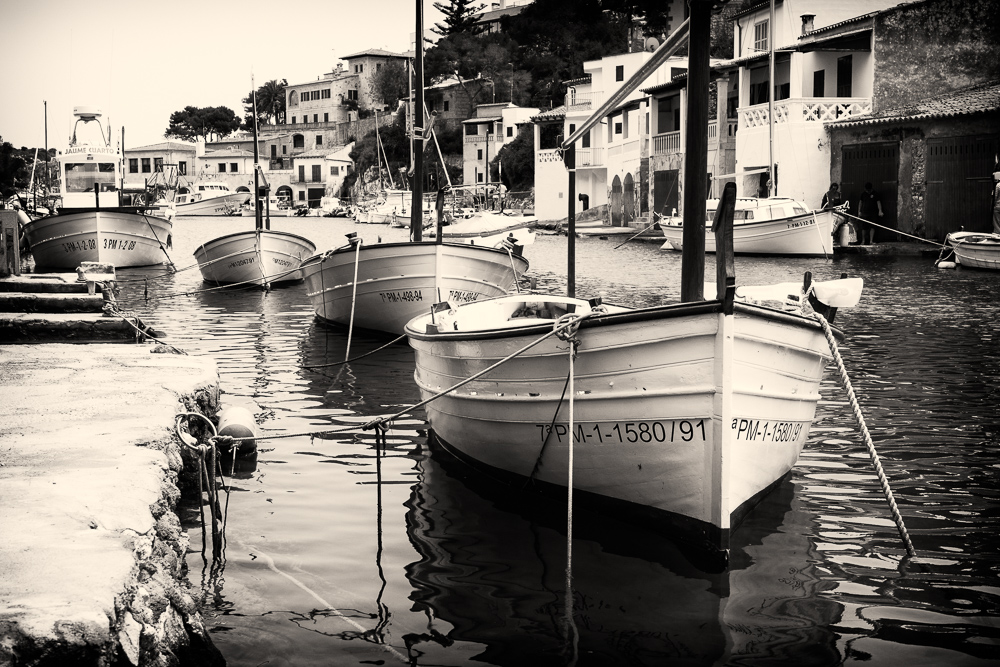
(57, 307)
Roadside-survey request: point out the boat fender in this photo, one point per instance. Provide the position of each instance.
(947, 265)
(237, 422)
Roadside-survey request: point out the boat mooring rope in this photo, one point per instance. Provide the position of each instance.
(569, 335)
(354, 296)
(360, 356)
(890, 229)
(883, 481)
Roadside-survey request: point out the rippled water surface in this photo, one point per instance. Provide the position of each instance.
(340, 552)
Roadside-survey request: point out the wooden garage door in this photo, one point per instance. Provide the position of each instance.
(960, 184)
(877, 163)
(665, 191)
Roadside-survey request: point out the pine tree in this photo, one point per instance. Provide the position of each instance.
(459, 16)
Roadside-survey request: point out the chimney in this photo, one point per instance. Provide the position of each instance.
(807, 23)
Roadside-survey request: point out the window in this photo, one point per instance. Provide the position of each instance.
(233, 167)
(335, 171)
(378, 66)
(302, 172)
(284, 149)
(82, 177)
(133, 165)
(222, 167)
(293, 100)
(620, 73)
(844, 76)
(510, 131)
(352, 94)
(479, 178)
(618, 128)
(315, 117)
(585, 140)
(760, 36)
(819, 83)
(274, 150)
(325, 94)
(158, 164)
(302, 193)
(446, 105)
(298, 141)
(145, 165)
(326, 118)
(572, 128)
(293, 120)
(479, 154)
(317, 174)
(182, 167)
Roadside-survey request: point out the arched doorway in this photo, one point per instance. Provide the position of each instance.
(615, 202)
(628, 200)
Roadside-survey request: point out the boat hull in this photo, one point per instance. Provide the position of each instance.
(121, 237)
(398, 281)
(670, 419)
(255, 257)
(808, 235)
(976, 250)
(224, 205)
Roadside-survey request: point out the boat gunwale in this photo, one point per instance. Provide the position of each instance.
(638, 315)
(254, 231)
(321, 257)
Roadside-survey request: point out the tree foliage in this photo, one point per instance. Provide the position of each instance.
(518, 161)
(270, 105)
(13, 172)
(204, 123)
(391, 83)
(460, 16)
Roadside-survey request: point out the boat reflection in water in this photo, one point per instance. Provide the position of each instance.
(492, 564)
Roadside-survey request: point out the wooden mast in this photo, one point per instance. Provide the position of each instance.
(696, 153)
(417, 207)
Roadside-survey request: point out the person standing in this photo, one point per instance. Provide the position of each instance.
(869, 210)
(832, 198)
(996, 202)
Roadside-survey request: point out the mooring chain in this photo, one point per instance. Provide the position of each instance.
(876, 461)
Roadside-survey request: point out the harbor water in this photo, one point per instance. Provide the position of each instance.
(343, 552)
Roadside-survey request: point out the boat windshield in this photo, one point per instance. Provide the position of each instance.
(81, 176)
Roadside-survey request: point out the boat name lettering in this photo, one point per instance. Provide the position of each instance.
(118, 244)
(401, 295)
(800, 223)
(90, 149)
(241, 262)
(281, 262)
(74, 246)
(753, 430)
(681, 430)
(463, 296)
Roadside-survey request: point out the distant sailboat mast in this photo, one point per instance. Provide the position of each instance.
(417, 208)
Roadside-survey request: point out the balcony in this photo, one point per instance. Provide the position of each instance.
(805, 110)
(669, 143)
(589, 157)
(576, 101)
(481, 139)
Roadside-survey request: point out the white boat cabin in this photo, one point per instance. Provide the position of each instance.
(758, 210)
(89, 169)
(202, 190)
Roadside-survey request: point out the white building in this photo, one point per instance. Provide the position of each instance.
(491, 128)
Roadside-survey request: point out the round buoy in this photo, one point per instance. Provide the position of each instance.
(237, 422)
(946, 265)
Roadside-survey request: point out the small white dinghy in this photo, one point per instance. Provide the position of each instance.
(975, 249)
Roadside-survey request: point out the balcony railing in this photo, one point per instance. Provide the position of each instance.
(591, 100)
(806, 110)
(590, 157)
(481, 138)
(666, 143)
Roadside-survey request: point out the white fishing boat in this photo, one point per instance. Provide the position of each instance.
(975, 249)
(768, 226)
(254, 257)
(398, 281)
(259, 256)
(209, 198)
(90, 223)
(682, 415)
(491, 230)
(382, 286)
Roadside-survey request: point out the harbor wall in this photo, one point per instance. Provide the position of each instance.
(92, 568)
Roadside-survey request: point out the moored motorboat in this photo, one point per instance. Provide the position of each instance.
(768, 226)
(491, 230)
(685, 415)
(253, 257)
(260, 256)
(398, 281)
(209, 198)
(90, 223)
(975, 249)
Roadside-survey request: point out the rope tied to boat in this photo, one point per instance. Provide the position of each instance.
(876, 461)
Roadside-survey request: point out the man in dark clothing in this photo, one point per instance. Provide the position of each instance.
(869, 210)
(832, 198)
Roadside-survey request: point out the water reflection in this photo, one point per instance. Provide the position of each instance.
(395, 556)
